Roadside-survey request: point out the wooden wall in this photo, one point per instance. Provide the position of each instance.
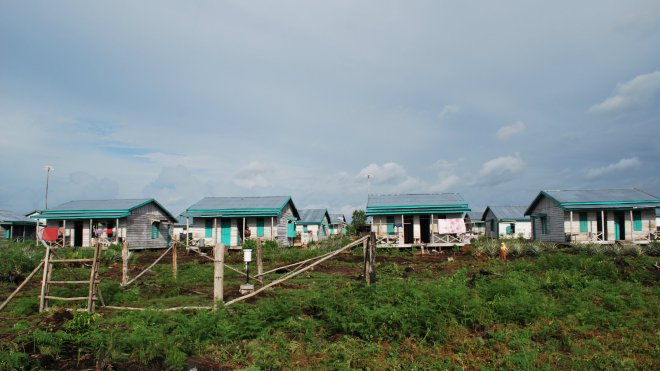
(282, 221)
(555, 215)
(138, 232)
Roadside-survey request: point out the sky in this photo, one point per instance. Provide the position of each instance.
(326, 101)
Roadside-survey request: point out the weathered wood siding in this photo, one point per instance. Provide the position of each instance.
(138, 234)
(282, 220)
(555, 215)
(490, 217)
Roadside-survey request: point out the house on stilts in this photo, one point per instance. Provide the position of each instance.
(474, 226)
(224, 220)
(16, 227)
(143, 223)
(337, 224)
(314, 225)
(507, 222)
(594, 216)
(425, 220)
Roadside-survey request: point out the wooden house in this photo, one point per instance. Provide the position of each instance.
(224, 219)
(405, 220)
(337, 224)
(16, 227)
(507, 222)
(598, 216)
(143, 223)
(314, 225)
(474, 225)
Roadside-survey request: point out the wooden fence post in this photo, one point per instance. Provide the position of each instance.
(218, 274)
(124, 263)
(260, 256)
(174, 262)
(370, 260)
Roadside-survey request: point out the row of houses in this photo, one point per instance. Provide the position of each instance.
(146, 224)
(562, 216)
(398, 220)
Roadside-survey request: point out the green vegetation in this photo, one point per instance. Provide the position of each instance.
(546, 308)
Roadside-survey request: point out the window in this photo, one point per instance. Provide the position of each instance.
(208, 228)
(155, 233)
(305, 228)
(544, 225)
(637, 221)
(492, 225)
(584, 223)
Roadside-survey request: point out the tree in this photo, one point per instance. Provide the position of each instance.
(359, 219)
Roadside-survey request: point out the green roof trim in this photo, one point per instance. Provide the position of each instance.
(417, 211)
(98, 213)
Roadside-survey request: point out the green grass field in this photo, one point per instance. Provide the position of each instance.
(545, 308)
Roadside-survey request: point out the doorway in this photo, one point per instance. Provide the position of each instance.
(425, 229)
(408, 234)
(77, 233)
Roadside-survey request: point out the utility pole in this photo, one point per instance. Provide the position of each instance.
(48, 169)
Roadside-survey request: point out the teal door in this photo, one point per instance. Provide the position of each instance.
(225, 232)
(290, 230)
(208, 228)
(260, 227)
(7, 234)
(619, 231)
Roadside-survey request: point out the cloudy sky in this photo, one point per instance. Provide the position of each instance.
(181, 100)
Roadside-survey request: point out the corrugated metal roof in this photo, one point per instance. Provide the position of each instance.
(240, 206)
(312, 216)
(508, 212)
(10, 217)
(97, 209)
(475, 215)
(601, 195)
(95, 205)
(430, 203)
(598, 199)
(337, 218)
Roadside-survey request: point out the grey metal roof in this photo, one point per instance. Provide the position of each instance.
(475, 215)
(430, 199)
(600, 195)
(98, 209)
(508, 212)
(309, 216)
(10, 217)
(429, 203)
(337, 218)
(96, 205)
(587, 199)
(233, 203)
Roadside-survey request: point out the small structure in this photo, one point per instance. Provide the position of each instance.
(406, 220)
(314, 225)
(224, 220)
(15, 226)
(596, 216)
(507, 222)
(337, 224)
(474, 225)
(180, 228)
(143, 223)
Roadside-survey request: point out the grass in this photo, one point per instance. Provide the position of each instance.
(547, 309)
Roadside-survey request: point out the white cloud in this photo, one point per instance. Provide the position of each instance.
(445, 184)
(447, 110)
(499, 170)
(634, 94)
(621, 165)
(252, 175)
(389, 172)
(505, 132)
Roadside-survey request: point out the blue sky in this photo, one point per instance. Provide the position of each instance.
(181, 100)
